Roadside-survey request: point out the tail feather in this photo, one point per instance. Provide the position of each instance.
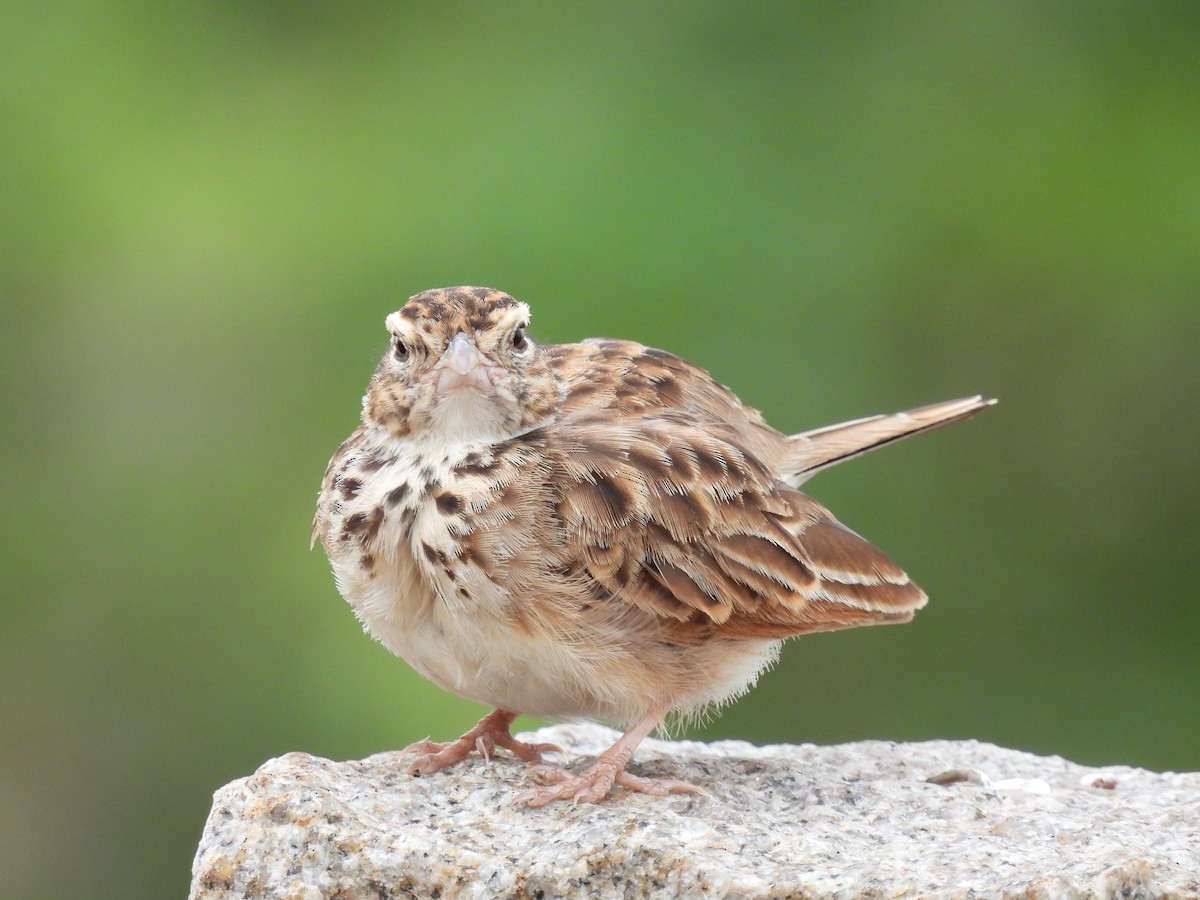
(824, 447)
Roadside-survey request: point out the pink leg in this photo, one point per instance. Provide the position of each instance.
(489, 733)
(594, 783)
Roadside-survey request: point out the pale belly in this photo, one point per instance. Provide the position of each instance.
(474, 655)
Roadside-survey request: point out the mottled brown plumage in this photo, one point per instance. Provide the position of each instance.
(587, 530)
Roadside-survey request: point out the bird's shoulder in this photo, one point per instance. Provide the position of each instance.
(630, 378)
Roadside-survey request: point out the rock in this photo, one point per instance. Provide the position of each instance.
(877, 819)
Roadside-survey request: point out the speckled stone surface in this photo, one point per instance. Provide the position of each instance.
(855, 820)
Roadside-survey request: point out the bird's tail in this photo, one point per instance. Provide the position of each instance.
(824, 447)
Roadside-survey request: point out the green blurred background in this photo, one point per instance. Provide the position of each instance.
(839, 209)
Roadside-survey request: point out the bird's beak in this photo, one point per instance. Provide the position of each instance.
(462, 365)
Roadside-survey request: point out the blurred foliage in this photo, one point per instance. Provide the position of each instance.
(838, 209)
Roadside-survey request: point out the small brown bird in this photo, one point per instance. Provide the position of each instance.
(595, 530)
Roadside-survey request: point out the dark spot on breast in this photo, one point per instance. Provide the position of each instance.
(373, 464)
(350, 487)
(471, 554)
(431, 483)
(449, 504)
(463, 592)
(367, 560)
(364, 526)
(450, 576)
(397, 494)
(405, 517)
(433, 554)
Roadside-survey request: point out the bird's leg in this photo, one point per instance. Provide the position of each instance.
(489, 733)
(594, 782)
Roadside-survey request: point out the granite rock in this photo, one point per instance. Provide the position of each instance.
(869, 819)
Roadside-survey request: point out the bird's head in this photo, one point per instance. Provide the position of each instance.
(461, 368)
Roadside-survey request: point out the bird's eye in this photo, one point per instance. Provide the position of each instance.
(518, 338)
(401, 350)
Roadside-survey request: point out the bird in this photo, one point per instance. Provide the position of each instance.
(594, 530)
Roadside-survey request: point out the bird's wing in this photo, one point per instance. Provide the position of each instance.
(690, 526)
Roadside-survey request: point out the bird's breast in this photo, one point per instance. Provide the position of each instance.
(427, 550)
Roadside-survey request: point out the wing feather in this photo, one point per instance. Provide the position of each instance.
(691, 527)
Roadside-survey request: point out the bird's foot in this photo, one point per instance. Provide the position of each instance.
(594, 783)
(489, 733)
